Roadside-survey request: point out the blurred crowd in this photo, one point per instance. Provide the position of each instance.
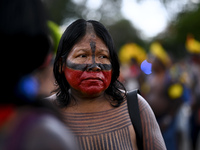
(170, 86)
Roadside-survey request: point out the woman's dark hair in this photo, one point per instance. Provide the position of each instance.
(74, 33)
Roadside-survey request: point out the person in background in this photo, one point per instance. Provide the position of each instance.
(164, 95)
(131, 55)
(26, 121)
(90, 97)
(193, 47)
(45, 74)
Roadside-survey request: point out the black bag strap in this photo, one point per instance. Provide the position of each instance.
(133, 108)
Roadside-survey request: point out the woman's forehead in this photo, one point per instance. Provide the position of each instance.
(89, 41)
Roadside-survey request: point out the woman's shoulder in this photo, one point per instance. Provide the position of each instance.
(150, 127)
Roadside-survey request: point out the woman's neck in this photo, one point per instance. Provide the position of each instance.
(83, 103)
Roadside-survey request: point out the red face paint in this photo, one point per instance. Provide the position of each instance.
(90, 82)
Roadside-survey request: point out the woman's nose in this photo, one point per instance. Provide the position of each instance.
(93, 67)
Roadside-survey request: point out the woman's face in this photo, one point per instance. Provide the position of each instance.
(88, 68)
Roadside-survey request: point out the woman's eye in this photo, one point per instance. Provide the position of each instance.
(103, 56)
(82, 56)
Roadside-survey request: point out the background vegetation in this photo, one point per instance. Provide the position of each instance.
(185, 21)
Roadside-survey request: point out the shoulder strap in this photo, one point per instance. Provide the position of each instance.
(133, 108)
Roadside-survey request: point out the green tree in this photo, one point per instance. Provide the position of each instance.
(174, 38)
(123, 32)
(108, 12)
(58, 9)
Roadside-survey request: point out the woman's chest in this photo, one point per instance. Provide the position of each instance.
(111, 129)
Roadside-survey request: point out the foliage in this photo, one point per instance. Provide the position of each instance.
(107, 13)
(174, 38)
(62, 10)
(123, 32)
(58, 9)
